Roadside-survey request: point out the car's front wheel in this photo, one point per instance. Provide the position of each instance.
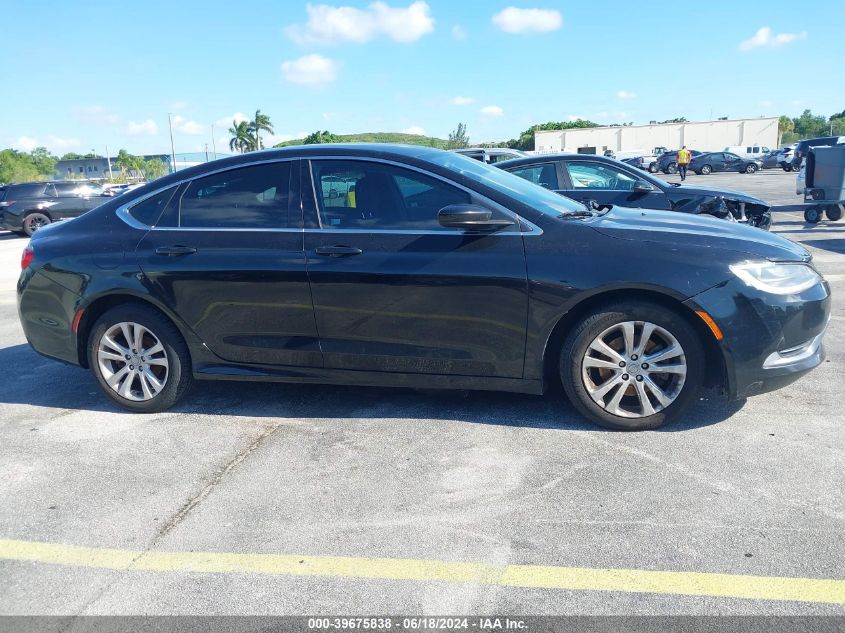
(632, 366)
(705, 169)
(652, 169)
(139, 358)
(750, 169)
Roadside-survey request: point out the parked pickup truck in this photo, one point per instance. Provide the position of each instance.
(649, 157)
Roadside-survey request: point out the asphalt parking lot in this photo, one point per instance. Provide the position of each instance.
(290, 499)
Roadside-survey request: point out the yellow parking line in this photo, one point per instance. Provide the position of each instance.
(529, 576)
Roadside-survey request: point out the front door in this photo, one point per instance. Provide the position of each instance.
(395, 291)
(607, 184)
(227, 256)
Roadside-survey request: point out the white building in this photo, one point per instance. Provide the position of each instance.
(705, 136)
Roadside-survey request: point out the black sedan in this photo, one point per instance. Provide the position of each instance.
(431, 270)
(606, 181)
(723, 161)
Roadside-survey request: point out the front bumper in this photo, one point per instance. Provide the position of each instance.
(769, 340)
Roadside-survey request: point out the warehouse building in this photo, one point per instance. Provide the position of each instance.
(706, 136)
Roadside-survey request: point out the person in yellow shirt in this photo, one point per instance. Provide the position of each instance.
(684, 158)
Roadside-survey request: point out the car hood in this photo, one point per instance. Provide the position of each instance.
(702, 231)
(726, 193)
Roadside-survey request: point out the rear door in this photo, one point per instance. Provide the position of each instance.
(227, 256)
(586, 180)
(70, 201)
(395, 291)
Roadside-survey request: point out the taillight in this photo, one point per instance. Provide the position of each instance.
(26, 257)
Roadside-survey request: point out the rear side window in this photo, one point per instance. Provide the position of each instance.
(254, 197)
(543, 175)
(35, 190)
(149, 211)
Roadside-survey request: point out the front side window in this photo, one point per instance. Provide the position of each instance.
(364, 195)
(254, 197)
(544, 175)
(588, 175)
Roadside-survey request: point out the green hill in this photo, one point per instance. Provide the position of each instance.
(380, 137)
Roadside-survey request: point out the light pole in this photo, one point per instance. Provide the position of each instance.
(213, 142)
(108, 162)
(172, 147)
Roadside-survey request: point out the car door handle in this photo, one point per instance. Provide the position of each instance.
(175, 250)
(337, 251)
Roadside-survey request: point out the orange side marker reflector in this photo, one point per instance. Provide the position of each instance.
(77, 318)
(711, 324)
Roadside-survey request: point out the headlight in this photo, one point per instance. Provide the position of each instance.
(777, 278)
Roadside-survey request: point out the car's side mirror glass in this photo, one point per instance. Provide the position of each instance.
(470, 217)
(641, 186)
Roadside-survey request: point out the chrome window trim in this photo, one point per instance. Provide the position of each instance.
(122, 212)
(533, 229)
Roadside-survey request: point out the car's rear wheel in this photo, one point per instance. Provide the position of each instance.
(652, 169)
(834, 212)
(705, 169)
(632, 366)
(787, 167)
(34, 221)
(750, 169)
(672, 168)
(139, 358)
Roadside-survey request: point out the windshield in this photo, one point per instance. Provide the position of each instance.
(543, 200)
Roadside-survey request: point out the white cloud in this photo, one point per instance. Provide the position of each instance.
(414, 129)
(187, 126)
(515, 20)
(459, 33)
(602, 115)
(176, 106)
(765, 37)
(226, 121)
(142, 128)
(310, 69)
(97, 115)
(26, 143)
(492, 111)
(461, 101)
(766, 103)
(626, 94)
(334, 25)
(575, 117)
(61, 143)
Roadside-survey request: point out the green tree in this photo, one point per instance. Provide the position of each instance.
(525, 141)
(43, 160)
(809, 125)
(318, 137)
(154, 168)
(17, 166)
(785, 126)
(242, 140)
(261, 123)
(837, 125)
(129, 165)
(458, 138)
(72, 156)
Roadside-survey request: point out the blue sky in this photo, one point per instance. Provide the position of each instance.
(86, 74)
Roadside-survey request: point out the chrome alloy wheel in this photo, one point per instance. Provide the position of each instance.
(634, 369)
(132, 361)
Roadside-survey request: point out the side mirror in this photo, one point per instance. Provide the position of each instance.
(470, 217)
(641, 186)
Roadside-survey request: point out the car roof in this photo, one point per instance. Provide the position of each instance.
(533, 159)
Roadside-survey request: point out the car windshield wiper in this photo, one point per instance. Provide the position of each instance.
(578, 214)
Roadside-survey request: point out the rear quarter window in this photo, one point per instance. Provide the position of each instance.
(28, 190)
(149, 211)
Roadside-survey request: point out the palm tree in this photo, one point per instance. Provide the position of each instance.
(242, 140)
(261, 123)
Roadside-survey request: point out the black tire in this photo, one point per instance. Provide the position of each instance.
(812, 215)
(580, 337)
(750, 169)
(833, 212)
(33, 221)
(179, 377)
(705, 169)
(787, 168)
(652, 169)
(672, 168)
